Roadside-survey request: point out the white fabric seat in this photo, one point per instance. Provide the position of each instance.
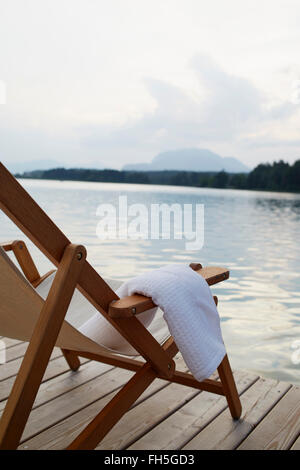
(21, 305)
(81, 311)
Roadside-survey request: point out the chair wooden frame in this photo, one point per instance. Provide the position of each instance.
(73, 270)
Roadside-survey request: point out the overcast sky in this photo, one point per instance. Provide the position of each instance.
(91, 82)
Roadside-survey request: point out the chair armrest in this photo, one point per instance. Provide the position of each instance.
(213, 274)
(7, 246)
(130, 305)
(24, 259)
(135, 304)
(37, 282)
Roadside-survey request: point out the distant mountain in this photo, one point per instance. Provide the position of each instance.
(190, 160)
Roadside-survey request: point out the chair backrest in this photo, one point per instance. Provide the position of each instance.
(21, 304)
(19, 206)
(20, 307)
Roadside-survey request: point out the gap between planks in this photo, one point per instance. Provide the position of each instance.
(59, 434)
(280, 427)
(165, 417)
(181, 425)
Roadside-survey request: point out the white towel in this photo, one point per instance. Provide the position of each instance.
(190, 312)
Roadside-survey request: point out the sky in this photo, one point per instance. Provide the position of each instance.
(104, 83)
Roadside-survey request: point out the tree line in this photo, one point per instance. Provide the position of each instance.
(278, 176)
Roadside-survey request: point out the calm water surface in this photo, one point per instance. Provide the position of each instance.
(254, 234)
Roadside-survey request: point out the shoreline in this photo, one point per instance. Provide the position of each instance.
(62, 180)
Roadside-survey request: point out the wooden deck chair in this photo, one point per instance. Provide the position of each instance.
(26, 315)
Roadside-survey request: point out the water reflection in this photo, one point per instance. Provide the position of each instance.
(255, 234)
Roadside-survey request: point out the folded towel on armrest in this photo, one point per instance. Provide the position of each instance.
(190, 312)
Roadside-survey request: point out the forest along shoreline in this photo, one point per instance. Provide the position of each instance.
(279, 176)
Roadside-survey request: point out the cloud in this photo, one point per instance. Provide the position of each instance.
(229, 111)
(228, 115)
(266, 142)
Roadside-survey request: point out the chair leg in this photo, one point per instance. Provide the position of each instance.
(72, 359)
(35, 361)
(90, 437)
(229, 388)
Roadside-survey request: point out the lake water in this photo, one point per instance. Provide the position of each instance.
(254, 234)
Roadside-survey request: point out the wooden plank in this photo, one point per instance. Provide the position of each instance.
(60, 435)
(296, 445)
(9, 342)
(224, 433)
(15, 352)
(58, 380)
(104, 421)
(63, 406)
(280, 427)
(10, 369)
(69, 381)
(174, 431)
(145, 416)
(110, 415)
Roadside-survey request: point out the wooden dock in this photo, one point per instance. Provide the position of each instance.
(167, 416)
